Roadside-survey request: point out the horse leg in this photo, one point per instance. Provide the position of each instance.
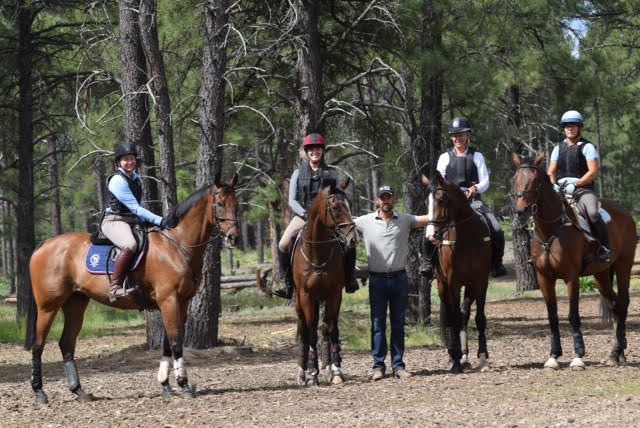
(312, 362)
(618, 306)
(73, 310)
(573, 289)
(481, 325)
(173, 317)
(303, 344)
(547, 287)
(163, 369)
(465, 309)
(450, 317)
(333, 340)
(43, 325)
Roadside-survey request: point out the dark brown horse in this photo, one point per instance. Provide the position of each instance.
(559, 249)
(319, 275)
(168, 278)
(464, 253)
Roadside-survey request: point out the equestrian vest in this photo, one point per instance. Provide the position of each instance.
(461, 170)
(310, 182)
(572, 162)
(118, 207)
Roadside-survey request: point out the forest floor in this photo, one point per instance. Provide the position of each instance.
(253, 382)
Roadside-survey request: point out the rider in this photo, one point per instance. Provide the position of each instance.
(574, 165)
(123, 210)
(306, 183)
(465, 166)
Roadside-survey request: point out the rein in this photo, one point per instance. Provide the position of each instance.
(452, 223)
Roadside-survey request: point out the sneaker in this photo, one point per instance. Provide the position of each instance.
(402, 374)
(499, 271)
(377, 375)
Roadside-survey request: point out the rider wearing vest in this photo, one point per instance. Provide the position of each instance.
(306, 182)
(123, 210)
(574, 165)
(465, 166)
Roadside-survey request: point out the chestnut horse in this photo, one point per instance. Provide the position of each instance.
(464, 251)
(168, 278)
(559, 249)
(319, 276)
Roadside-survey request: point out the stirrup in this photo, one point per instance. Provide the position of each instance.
(118, 293)
(604, 254)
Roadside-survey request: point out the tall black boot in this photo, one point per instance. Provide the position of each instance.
(427, 259)
(286, 277)
(497, 249)
(602, 234)
(351, 285)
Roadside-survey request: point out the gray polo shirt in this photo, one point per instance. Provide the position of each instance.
(387, 243)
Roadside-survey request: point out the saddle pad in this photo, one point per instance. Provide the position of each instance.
(100, 259)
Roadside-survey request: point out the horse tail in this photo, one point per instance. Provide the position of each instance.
(606, 317)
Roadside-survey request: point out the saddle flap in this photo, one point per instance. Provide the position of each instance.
(100, 259)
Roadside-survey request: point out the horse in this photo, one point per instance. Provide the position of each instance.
(168, 278)
(559, 249)
(319, 276)
(464, 259)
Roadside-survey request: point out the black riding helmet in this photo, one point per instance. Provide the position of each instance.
(125, 149)
(459, 124)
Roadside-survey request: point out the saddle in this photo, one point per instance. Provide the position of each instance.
(581, 221)
(101, 255)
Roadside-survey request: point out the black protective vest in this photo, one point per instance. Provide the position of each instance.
(572, 162)
(461, 170)
(310, 182)
(118, 207)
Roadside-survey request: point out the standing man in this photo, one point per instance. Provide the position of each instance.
(306, 182)
(465, 166)
(386, 237)
(574, 165)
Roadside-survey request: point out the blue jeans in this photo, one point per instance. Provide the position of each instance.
(392, 293)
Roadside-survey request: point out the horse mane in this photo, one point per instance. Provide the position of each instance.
(180, 210)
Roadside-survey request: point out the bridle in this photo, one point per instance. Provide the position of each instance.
(538, 191)
(446, 223)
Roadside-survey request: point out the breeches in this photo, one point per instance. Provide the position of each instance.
(292, 229)
(588, 203)
(119, 232)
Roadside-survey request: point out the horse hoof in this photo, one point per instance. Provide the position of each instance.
(456, 368)
(337, 379)
(312, 380)
(552, 364)
(613, 361)
(85, 398)
(41, 397)
(167, 392)
(577, 364)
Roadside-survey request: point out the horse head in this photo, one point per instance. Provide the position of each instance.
(224, 209)
(333, 206)
(442, 203)
(528, 183)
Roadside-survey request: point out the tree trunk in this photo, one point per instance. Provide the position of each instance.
(151, 46)
(56, 220)
(260, 241)
(25, 209)
(201, 330)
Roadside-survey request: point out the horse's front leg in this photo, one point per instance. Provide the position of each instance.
(573, 290)
(450, 319)
(303, 344)
(465, 309)
(481, 324)
(173, 317)
(331, 337)
(547, 287)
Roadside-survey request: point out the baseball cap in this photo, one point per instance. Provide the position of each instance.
(385, 189)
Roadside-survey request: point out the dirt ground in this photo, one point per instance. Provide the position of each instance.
(254, 384)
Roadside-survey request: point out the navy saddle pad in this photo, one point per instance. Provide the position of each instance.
(100, 259)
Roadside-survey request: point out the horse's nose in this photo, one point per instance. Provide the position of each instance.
(231, 241)
(523, 215)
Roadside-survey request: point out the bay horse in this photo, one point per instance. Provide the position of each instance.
(559, 249)
(168, 278)
(319, 276)
(464, 259)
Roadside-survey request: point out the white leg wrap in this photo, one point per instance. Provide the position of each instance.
(163, 370)
(577, 364)
(552, 363)
(179, 367)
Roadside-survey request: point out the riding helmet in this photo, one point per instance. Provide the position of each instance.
(313, 140)
(571, 117)
(125, 149)
(459, 124)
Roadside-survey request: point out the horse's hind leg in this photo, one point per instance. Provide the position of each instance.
(465, 309)
(43, 325)
(73, 310)
(618, 304)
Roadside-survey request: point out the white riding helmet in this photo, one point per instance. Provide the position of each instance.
(571, 117)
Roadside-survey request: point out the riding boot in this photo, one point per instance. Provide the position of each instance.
(427, 259)
(602, 234)
(286, 276)
(351, 285)
(123, 262)
(497, 249)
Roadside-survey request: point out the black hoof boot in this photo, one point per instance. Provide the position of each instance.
(41, 397)
(499, 271)
(167, 391)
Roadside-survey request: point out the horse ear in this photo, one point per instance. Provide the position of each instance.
(517, 159)
(345, 183)
(539, 159)
(234, 180)
(216, 181)
(439, 178)
(425, 180)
